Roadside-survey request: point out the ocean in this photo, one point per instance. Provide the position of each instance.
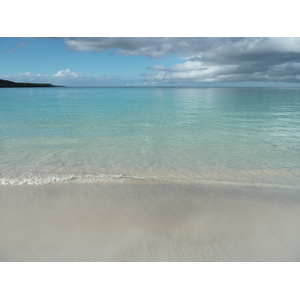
(238, 136)
(149, 174)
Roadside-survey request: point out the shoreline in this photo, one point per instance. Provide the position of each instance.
(148, 222)
(286, 179)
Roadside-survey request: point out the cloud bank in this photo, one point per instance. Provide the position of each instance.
(207, 59)
(68, 78)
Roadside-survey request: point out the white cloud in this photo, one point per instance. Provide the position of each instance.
(21, 45)
(183, 67)
(190, 72)
(66, 72)
(197, 72)
(68, 78)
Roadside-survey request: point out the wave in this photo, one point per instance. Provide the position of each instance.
(44, 178)
(47, 178)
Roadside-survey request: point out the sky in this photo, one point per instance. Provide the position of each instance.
(152, 61)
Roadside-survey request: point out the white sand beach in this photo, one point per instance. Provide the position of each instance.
(148, 222)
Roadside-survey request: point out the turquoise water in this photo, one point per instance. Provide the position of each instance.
(236, 135)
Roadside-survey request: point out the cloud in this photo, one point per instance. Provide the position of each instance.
(187, 66)
(203, 59)
(68, 78)
(202, 72)
(66, 72)
(206, 59)
(151, 47)
(241, 60)
(20, 45)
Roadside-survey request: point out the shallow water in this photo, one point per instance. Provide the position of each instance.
(231, 135)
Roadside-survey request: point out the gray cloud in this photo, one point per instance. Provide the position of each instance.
(207, 59)
(151, 47)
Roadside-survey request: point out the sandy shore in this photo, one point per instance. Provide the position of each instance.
(148, 222)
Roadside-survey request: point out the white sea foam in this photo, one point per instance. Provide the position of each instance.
(42, 179)
(234, 178)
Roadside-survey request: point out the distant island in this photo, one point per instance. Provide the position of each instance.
(8, 84)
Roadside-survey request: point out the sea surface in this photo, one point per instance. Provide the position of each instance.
(246, 136)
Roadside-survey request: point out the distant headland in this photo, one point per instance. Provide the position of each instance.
(8, 84)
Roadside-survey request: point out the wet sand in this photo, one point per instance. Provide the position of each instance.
(151, 221)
